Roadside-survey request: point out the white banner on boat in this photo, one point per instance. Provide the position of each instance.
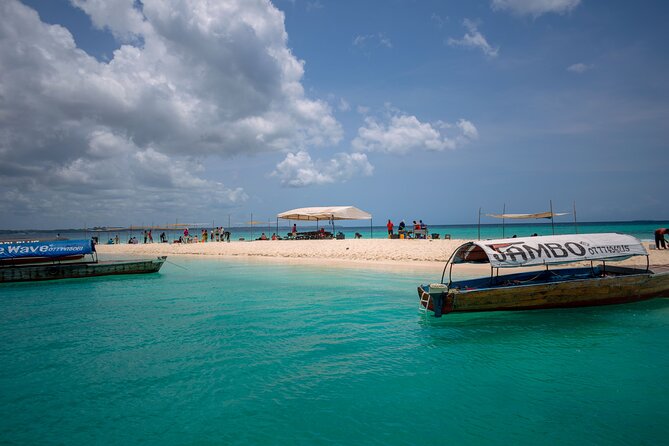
(530, 251)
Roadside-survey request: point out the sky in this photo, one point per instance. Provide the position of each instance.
(120, 112)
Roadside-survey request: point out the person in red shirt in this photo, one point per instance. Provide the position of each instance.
(390, 227)
(659, 238)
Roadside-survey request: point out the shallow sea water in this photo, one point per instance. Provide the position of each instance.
(233, 352)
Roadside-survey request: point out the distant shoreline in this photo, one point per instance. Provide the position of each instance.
(379, 227)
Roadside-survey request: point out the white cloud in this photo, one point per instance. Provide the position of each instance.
(474, 39)
(372, 40)
(343, 105)
(403, 133)
(441, 22)
(314, 5)
(579, 68)
(535, 7)
(468, 129)
(193, 79)
(299, 170)
(118, 16)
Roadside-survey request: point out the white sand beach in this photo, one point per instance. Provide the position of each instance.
(430, 254)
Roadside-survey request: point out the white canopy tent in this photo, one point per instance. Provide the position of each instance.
(550, 215)
(326, 213)
(329, 213)
(526, 216)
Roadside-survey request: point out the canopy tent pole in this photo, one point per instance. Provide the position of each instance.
(479, 224)
(371, 231)
(552, 218)
(277, 226)
(575, 224)
(503, 221)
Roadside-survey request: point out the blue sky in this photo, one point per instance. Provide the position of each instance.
(126, 112)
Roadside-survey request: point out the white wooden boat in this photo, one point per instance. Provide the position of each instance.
(545, 287)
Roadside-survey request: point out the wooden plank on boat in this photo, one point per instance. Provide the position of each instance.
(602, 291)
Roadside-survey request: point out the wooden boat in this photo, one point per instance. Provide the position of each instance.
(546, 288)
(20, 262)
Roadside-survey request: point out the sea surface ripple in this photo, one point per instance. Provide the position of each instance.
(230, 352)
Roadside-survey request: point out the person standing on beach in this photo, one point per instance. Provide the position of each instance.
(294, 229)
(659, 238)
(150, 237)
(390, 228)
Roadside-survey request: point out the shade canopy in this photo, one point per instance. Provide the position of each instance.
(547, 250)
(528, 216)
(326, 213)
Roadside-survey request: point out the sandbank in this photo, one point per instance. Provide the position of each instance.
(422, 255)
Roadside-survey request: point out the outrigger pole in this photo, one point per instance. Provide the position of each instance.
(552, 218)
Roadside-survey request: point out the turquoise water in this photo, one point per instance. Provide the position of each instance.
(643, 230)
(251, 354)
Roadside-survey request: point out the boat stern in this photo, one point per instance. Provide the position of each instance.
(432, 297)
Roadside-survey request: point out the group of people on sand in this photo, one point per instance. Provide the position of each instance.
(419, 229)
(264, 237)
(217, 234)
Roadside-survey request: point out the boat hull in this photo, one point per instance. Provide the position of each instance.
(576, 293)
(79, 270)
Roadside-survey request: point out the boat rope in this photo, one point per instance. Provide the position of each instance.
(520, 282)
(172, 263)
